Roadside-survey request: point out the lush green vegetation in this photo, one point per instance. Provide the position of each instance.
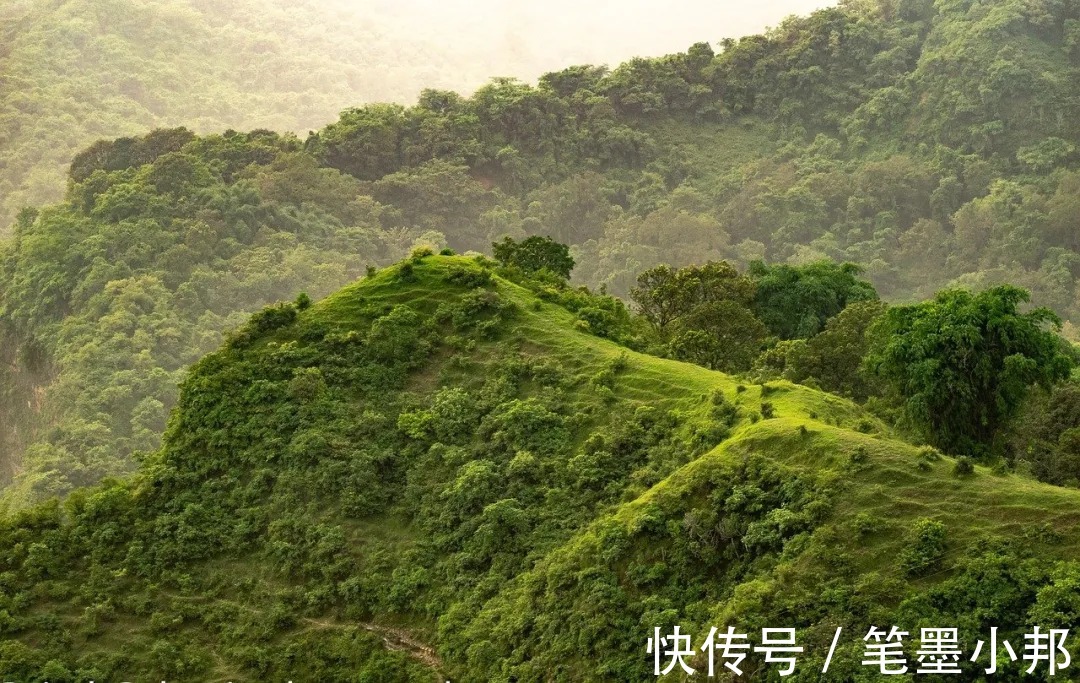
(502, 474)
(439, 456)
(76, 71)
(845, 135)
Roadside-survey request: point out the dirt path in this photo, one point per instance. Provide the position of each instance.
(398, 640)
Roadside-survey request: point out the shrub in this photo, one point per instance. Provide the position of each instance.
(865, 523)
(420, 253)
(469, 277)
(924, 547)
(263, 322)
(767, 411)
(620, 362)
(303, 301)
(929, 454)
(446, 251)
(859, 455)
(964, 467)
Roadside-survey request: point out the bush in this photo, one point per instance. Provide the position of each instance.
(964, 467)
(859, 455)
(420, 253)
(303, 301)
(469, 277)
(767, 411)
(865, 523)
(929, 454)
(924, 548)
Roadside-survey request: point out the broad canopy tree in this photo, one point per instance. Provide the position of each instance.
(962, 362)
(534, 254)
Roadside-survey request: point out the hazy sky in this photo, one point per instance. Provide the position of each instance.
(508, 37)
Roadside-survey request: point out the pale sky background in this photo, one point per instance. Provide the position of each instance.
(526, 38)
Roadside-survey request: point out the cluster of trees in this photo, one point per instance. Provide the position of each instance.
(90, 69)
(717, 317)
(164, 243)
(813, 140)
(954, 370)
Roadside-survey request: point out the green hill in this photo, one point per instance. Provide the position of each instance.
(448, 463)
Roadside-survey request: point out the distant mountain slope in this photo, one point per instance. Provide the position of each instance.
(442, 461)
(75, 71)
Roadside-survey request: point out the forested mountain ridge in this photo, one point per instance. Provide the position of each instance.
(930, 142)
(75, 71)
(446, 450)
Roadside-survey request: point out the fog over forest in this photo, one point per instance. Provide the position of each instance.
(76, 71)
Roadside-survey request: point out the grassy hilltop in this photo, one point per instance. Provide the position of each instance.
(440, 469)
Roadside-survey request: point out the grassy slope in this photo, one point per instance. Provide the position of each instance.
(889, 486)
(252, 605)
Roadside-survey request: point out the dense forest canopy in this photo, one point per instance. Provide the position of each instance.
(75, 71)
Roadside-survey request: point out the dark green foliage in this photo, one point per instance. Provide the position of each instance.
(767, 410)
(535, 254)
(859, 456)
(963, 362)
(1044, 436)
(833, 357)
(702, 313)
(795, 302)
(964, 467)
(469, 277)
(719, 335)
(664, 294)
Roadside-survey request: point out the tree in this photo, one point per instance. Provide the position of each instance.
(796, 301)
(962, 363)
(664, 294)
(721, 335)
(534, 254)
(834, 357)
(655, 295)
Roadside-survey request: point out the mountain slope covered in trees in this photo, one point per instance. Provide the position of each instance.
(931, 143)
(447, 459)
(75, 71)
